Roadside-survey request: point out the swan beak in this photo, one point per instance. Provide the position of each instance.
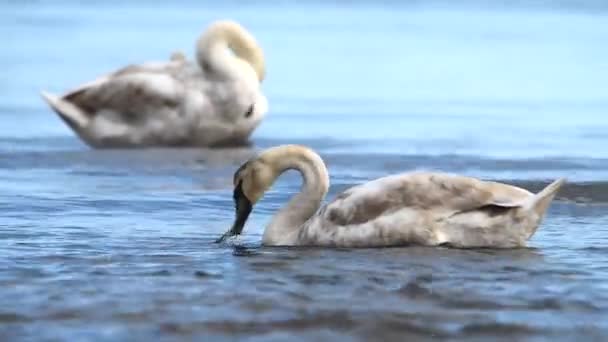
(243, 208)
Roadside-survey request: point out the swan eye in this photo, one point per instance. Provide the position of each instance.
(206, 67)
(249, 111)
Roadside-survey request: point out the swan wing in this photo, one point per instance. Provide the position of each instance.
(436, 194)
(172, 67)
(129, 93)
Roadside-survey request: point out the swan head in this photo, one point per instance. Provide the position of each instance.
(256, 176)
(247, 114)
(250, 181)
(258, 109)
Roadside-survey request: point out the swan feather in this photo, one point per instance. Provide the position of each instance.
(425, 208)
(175, 102)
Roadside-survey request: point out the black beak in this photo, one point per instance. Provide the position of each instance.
(243, 208)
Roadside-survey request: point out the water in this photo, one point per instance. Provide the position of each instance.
(117, 245)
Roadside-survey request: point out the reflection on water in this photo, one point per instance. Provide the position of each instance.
(118, 245)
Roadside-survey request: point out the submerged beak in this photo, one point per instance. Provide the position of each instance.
(243, 208)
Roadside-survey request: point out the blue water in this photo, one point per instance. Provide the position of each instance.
(117, 245)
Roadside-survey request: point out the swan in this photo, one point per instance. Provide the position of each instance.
(175, 102)
(422, 208)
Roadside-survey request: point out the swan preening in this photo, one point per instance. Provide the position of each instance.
(421, 208)
(175, 103)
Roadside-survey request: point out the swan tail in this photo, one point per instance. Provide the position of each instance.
(177, 55)
(540, 202)
(70, 113)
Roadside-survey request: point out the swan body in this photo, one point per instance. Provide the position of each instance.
(422, 208)
(175, 102)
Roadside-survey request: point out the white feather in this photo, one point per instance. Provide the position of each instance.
(174, 102)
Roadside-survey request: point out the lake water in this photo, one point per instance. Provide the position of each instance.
(108, 245)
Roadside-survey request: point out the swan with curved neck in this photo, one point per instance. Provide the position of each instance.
(175, 103)
(226, 45)
(421, 208)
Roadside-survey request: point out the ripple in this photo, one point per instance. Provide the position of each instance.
(206, 275)
(317, 279)
(240, 251)
(9, 317)
(339, 320)
(500, 329)
(159, 273)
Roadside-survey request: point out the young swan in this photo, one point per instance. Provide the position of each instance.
(175, 103)
(412, 208)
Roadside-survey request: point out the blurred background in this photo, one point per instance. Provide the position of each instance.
(116, 244)
(472, 77)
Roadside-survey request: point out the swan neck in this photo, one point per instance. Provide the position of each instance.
(285, 225)
(214, 46)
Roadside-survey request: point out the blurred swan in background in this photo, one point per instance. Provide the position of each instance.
(422, 208)
(175, 103)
